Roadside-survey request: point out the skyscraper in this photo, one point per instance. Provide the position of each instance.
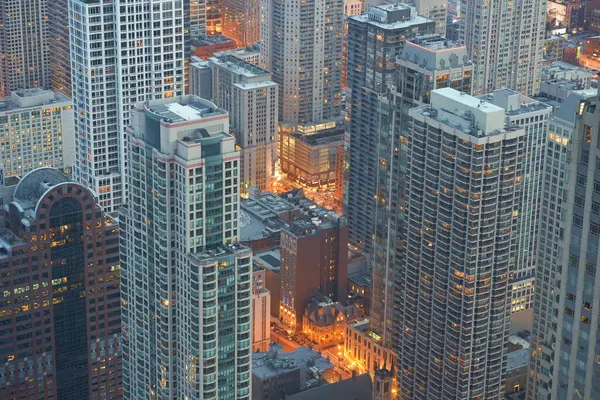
(114, 67)
(427, 63)
(59, 307)
(58, 43)
(197, 18)
(533, 116)
(565, 337)
(249, 95)
(186, 284)
(437, 10)
(505, 40)
(241, 21)
(301, 44)
(453, 306)
(24, 47)
(374, 41)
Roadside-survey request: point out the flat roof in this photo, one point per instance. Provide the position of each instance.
(269, 259)
(276, 362)
(195, 108)
(414, 20)
(517, 359)
(469, 101)
(360, 278)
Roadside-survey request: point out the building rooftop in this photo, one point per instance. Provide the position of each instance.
(275, 362)
(224, 250)
(250, 51)
(466, 114)
(35, 183)
(514, 103)
(568, 110)
(31, 98)
(434, 52)
(517, 359)
(392, 17)
(174, 112)
(356, 388)
(269, 259)
(209, 40)
(313, 216)
(239, 66)
(360, 278)
(324, 137)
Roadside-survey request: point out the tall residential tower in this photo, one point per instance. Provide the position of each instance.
(506, 43)
(186, 283)
(121, 54)
(453, 302)
(564, 361)
(301, 44)
(374, 41)
(24, 47)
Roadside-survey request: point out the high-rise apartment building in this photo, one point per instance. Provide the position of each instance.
(59, 302)
(241, 21)
(437, 10)
(431, 62)
(351, 7)
(186, 284)
(565, 337)
(36, 130)
(533, 116)
(24, 45)
(453, 302)
(249, 95)
(58, 43)
(505, 42)
(374, 41)
(120, 55)
(301, 44)
(197, 18)
(427, 63)
(214, 17)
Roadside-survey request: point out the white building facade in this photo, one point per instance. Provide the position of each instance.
(121, 54)
(36, 130)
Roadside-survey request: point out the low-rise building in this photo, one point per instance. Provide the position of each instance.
(324, 322)
(365, 349)
(517, 363)
(359, 290)
(205, 46)
(314, 259)
(567, 13)
(308, 154)
(275, 372)
(356, 388)
(553, 49)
